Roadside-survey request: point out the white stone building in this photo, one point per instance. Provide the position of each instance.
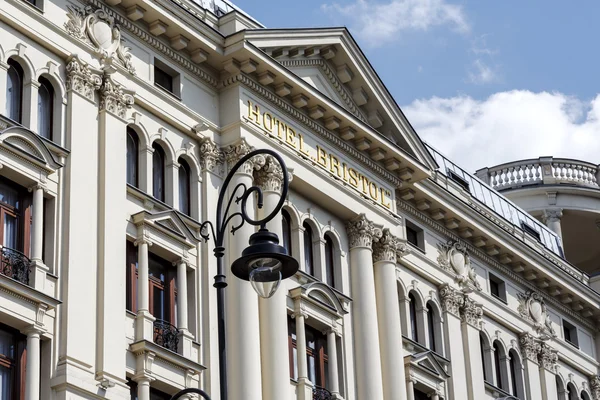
(119, 121)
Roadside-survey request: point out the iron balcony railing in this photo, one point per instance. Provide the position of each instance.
(320, 393)
(166, 335)
(500, 205)
(14, 264)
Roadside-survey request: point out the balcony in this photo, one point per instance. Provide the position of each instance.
(541, 171)
(320, 393)
(166, 335)
(15, 265)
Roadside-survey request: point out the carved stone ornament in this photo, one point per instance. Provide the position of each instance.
(362, 232)
(471, 312)
(270, 176)
(453, 257)
(386, 247)
(452, 299)
(235, 152)
(210, 154)
(81, 78)
(98, 28)
(548, 357)
(595, 387)
(533, 308)
(530, 346)
(114, 98)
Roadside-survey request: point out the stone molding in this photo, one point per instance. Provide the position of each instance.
(493, 262)
(533, 308)
(454, 258)
(114, 98)
(386, 247)
(270, 175)
(97, 28)
(362, 232)
(211, 155)
(81, 78)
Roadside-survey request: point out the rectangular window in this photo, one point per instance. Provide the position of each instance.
(458, 179)
(316, 354)
(530, 230)
(497, 288)
(131, 277)
(166, 78)
(415, 235)
(12, 364)
(570, 332)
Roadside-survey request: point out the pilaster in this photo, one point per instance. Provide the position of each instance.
(471, 313)
(530, 350)
(548, 358)
(3, 82)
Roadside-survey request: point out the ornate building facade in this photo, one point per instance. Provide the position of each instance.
(119, 122)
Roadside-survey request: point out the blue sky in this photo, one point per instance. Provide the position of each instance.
(485, 81)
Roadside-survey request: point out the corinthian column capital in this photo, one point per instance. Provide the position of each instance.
(548, 357)
(362, 232)
(269, 176)
(235, 152)
(81, 78)
(595, 387)
(210, 155)
(552, 214)
(452, 299)
(115, 98)
(471, 312)
(386, 247)
(530, 347)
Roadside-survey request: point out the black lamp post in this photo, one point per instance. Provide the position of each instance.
(264, 262)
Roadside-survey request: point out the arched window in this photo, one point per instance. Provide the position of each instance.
(286, 228)
(14, 90)
(158, 172)
(486, 361)
(309, 266)
(45, 108)
(499, 359)
(132, 157)
(414, 334)
(184, 186)
(431, 326)
(516, 375)
(572, 392)
(329, 262)
(560, 389)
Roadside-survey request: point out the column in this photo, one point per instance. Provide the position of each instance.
(548, 358)
(32, 372)
(144, 321)
(434, 396)
(471, 313)
(305, 386)
(115, 101)
(452, 300)
(243, 331)
(551, 217)
(273, 311)
(80, 249)
(185, 337)
(361, 233)
(334, 379)
(388, 317)
(530, 347)
(143, 389)
(37, 237)
(410, 388)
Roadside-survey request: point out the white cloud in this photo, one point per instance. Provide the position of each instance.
(481, 73)
(377, 23)
(509, 126)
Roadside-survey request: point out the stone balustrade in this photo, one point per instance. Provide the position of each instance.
(540, 171)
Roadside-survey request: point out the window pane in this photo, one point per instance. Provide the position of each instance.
(184, 187)
(14, 91)
(163, 79)
(286, 239)
(158, 173)
(45, 97)
(132, 158)
(308, 250)
(5, 383)
(9, 195)
(329, 264)
(10, 231)
(431, 327)
(413, 317)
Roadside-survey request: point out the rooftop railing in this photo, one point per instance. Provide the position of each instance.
(540, 171)
(523, 222)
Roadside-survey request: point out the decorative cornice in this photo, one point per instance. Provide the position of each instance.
(332, 138)
(454, 258)
(270, 175)
(333, 79)
(155, 43)
(386, 247)
(114, 98)
(548, 357)
(475, 252)
(362, 232)
(530, 347)
(452, 299)
(81, 78)
(93, 26)
(210, 155)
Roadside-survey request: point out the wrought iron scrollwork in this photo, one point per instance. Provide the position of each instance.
(15, 265)
(320, 393)
(166, 335)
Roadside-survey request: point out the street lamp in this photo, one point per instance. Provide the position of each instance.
(265, 263)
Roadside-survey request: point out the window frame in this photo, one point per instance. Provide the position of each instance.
(158, 151)
(17, 363)
(49, 107)
(329, 261)
(500, 284)
(412, 317)
(572, 329)
(166, 71)
(132, 137)
(309, 258)
(415, 235)
(185, 208)
(15, 66)
(286, 228)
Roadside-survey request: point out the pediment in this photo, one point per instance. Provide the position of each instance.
(323, 296)
(169, 222)
(27, 144)
(331, 61)
(427, 361)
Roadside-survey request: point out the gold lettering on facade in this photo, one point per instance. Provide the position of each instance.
(330, 162)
